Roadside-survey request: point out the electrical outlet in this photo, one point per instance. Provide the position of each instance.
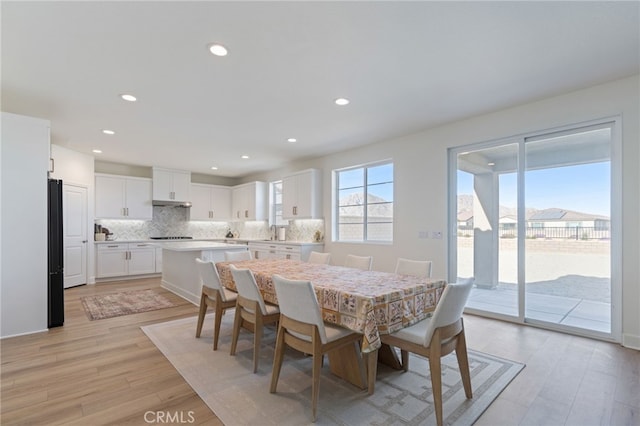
(436, 235)
(423, 234)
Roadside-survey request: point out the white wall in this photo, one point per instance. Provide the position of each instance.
(78, 169)
(421, 190)
(23, 230)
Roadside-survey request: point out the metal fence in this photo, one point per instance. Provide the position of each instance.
(561, 233)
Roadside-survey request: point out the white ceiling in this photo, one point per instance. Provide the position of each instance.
(405, 66)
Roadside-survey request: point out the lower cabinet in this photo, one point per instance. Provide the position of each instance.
(122, 259)
(282, 250)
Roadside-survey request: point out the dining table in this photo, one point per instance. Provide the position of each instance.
(365, 301)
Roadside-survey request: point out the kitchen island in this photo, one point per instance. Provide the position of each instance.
(179, 272)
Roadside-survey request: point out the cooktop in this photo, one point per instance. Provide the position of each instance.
(171, 238)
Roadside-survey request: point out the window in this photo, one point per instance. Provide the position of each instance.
(275, 197)
(364, 203)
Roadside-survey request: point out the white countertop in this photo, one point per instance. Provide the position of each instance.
(212, 240)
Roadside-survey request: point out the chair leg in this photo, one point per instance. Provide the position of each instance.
(463, 364)
(257, 337)
(237, 323)
(436, 387)
(201, 313)
(315, 389)
(278, 356)
(217, 323)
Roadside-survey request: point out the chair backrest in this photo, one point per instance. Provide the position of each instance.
(298, 301)
(417, 268)
(209, 276)
(359, 262)
(247, 286)
(317, 257)
(236, 256)
(449, 308)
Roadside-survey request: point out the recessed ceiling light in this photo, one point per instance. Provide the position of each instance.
(214, 168)
(218, 49)
(491, 164)
(342, 101)
(292, 140)
(129, 98)
(97, 151)
(245, 157)
(108, 132)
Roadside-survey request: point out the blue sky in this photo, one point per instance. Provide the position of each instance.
(584, 188)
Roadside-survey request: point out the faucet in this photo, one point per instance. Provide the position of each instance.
(273, 230)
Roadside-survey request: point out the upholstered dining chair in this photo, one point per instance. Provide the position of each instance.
(359, 262)
(301, 327)
(317, 257)
(417, 268)
(237, 256)
(251, 309)
(436, 337)
(214, 295)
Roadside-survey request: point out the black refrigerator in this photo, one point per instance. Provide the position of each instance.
(55, 261)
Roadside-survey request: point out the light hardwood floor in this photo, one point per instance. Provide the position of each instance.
(108, 372)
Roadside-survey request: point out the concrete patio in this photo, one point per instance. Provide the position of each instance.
(570, 287)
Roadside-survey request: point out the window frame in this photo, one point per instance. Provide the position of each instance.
(335, 211)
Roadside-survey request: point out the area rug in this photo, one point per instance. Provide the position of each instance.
(239, 397)
(123, 303)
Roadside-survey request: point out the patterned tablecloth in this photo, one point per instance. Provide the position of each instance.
(369, 302)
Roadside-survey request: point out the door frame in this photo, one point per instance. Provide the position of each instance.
(616, 225)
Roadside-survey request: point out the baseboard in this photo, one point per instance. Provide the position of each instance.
(125, 278)
(631, 341)
(24, 334)
(193, 298)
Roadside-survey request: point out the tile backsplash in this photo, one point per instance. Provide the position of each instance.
(174, 221)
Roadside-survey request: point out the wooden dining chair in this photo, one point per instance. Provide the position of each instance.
(237, 256)
(417, 268)
(251, 311)
(301, 327)
(214, 295)
(359, 262)
(317, 257)
(436, 337)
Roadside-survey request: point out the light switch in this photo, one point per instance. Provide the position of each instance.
(436, 235)
(423, 234)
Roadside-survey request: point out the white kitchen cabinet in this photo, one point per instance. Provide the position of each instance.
(283, 250)
(158, 259)
(123, 259)
(301, 194)
(250, 201)
(171, 185)
(142, 259)
(210, 202)
(123, 197)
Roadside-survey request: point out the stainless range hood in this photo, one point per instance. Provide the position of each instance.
(169, 203)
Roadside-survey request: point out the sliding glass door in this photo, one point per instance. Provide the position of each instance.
(533, 225)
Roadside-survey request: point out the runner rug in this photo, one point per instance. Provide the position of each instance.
(239, 397)
(123, 303)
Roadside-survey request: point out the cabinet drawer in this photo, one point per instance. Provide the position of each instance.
(114, 246)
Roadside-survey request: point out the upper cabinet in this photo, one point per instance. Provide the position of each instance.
(301, 194)
(171, 185)
(123, 197)
(250, 201)
(210, 202)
